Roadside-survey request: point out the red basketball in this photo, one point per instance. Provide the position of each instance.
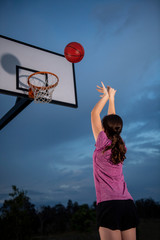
(74, 52)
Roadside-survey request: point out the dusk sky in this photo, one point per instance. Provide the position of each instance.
(47, 149)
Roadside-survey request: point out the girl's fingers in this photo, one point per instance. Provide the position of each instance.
(103, 85)
(100, 90)
(99, 87)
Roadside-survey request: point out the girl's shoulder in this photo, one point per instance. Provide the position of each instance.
(102, 141)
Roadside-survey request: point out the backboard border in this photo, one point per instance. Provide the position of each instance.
(49, 51)
(17, 74)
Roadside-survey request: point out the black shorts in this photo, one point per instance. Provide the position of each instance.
(117, 214)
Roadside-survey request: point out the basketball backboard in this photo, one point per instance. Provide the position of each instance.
(18, 60)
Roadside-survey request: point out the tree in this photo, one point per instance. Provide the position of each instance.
(53, 219)
(83, 218)
(18, 217)
(148, 208)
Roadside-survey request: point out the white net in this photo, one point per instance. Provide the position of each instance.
(43, 96)
(43, 85)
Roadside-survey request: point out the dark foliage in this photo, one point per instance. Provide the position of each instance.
(19, 220)
(148, 208)
(83, 218)
(52, 219)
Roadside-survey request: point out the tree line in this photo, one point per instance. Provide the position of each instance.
(19, 220)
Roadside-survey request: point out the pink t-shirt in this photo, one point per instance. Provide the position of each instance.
(108, 177)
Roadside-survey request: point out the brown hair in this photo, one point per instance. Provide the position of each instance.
(113, 125)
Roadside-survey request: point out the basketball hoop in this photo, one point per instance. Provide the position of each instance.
(42, 85)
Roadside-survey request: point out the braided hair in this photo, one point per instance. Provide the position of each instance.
(112, 125)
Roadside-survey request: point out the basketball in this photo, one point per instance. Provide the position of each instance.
(74, 52)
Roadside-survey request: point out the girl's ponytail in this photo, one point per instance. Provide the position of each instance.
(112, 125)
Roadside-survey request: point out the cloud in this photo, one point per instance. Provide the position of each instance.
(117, 16)
(128, 37)
(69, 184)
(47, 149)
(110, 13)
(141, 173)
(60, 172)
(142, 111)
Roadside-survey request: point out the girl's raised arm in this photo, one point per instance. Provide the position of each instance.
(111, 107)
(95, 114)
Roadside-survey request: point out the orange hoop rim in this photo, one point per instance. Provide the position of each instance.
(42, 88)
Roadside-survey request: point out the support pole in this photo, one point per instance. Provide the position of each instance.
(20, 104)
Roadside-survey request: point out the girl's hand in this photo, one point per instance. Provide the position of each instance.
(103, 90)
(111, 92)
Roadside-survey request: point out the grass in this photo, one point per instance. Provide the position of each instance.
(71, 236)
(148, 229)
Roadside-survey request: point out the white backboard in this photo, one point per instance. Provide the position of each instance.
(18, 60)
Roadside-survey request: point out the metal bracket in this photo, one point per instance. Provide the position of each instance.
(20, 104)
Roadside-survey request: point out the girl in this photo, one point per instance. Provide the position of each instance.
(116, 213)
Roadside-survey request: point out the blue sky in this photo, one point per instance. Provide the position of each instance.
(47, 149)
